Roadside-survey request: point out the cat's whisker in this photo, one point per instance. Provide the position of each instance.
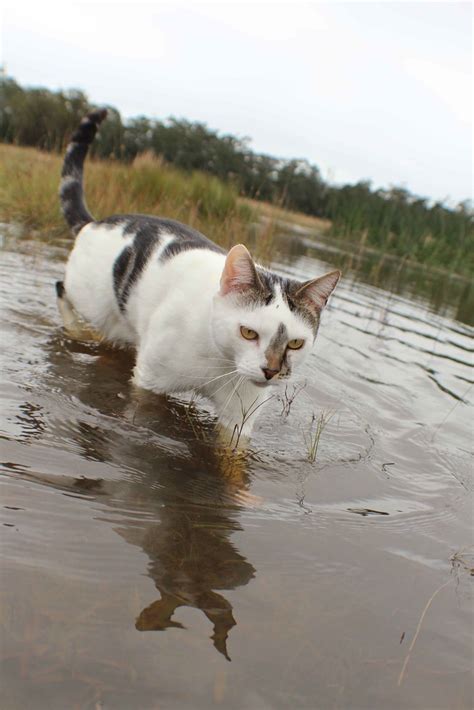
(222, 359)
(232, 372)
(234, 388)
(206, 377)
(228, 382)
(197, 369)
(228, 400)
(208, 368)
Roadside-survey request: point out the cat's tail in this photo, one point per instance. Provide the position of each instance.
(71, 193)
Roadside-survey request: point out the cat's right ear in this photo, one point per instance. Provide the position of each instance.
(239, 272)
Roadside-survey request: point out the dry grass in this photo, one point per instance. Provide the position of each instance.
(276, 214)
(29, 181)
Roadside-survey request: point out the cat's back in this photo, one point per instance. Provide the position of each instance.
(147, 232)
(115, 256)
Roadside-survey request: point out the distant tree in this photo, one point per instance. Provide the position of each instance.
(392, 218)
(109, 142)
(39, 117)
(137, 136)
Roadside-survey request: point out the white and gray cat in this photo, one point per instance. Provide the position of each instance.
(200, 319)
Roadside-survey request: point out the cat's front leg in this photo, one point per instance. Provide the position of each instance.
(237, 410)
(162, 366)
(151, 379)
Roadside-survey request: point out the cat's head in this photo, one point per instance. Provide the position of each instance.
(264, 323)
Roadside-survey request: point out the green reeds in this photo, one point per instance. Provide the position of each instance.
(313, 436)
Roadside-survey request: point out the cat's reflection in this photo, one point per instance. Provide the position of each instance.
(192, 561)
(187, 494)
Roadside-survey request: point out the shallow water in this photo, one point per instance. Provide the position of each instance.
(141, 569)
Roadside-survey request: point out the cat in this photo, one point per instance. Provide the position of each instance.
(200, 320)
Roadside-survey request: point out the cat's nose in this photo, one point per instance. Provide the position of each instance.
(269, 373)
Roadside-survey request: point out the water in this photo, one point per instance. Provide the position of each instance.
(140, 570)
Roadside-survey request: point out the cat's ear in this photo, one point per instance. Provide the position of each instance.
(315, 293)
(239, 272)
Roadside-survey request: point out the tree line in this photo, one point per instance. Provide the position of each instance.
(394, 219)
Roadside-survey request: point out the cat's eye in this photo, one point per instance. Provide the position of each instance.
(296, 344)
(248, 333)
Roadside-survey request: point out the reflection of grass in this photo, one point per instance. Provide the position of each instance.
(313, 436)
(418, 629)
(29, 182)
(192, 418)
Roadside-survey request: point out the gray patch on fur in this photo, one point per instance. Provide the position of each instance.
(148, 232)
(280, 339)
(265, 290)
(71, 193)
(276, 351)
(150, 228)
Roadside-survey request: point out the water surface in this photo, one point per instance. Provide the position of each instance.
(141, 569)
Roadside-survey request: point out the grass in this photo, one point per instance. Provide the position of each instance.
(246, 414)
(313, 435)
(287, 398)
(280, 214)
(29, 181)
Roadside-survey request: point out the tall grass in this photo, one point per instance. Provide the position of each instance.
(29, 181)
(391, 221)
(396, 223)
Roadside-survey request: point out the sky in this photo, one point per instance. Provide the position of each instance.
(364, 90)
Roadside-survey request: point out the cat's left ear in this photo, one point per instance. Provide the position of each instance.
(315, 293)
(239, 272)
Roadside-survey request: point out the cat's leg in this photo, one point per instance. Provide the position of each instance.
(144, 380)
(219, 612)
(74, 325)
(162, 365)
(154, 369)
(237, 409)
(157, 616)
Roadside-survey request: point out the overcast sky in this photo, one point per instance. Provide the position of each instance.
(372, 90)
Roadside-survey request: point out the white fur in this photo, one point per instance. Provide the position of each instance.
(186, 334)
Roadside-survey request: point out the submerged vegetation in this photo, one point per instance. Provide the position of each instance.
(393, 220)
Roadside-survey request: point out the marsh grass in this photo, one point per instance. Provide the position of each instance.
(313, 436)
(246, 413)
(288, 396)
(29, 181)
